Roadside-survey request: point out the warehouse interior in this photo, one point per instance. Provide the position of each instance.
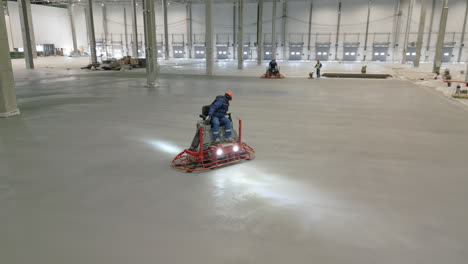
(100, 101)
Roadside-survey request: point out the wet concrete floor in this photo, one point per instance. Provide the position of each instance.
(347, 171)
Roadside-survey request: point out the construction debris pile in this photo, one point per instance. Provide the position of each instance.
(126, 63)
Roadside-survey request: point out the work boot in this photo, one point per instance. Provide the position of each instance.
(217, 141)
(230, 139)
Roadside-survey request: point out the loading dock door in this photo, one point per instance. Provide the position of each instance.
(410, 53)
(322, 51)
(379, 54)
(178, 51)
(447, 51)
(199, 52)
(49, 49)
(246, 53)
(380, 51)
(295, 52)
(267, 52)
(222, 52)
(350, 51)
(160, 51)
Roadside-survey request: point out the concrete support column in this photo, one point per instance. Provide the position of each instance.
(91, 35)
(189, 29)
(150, 43)
(396, 29)
(240, 48)
(27, 5)
(86, 13)
(209, 36)
(166, 31)
(367, 29)
(122, 45)
(338, 31)
(422, 21)
(466, 73)
(9, 29)
(8, 105)
(260, 32)
(134, 30)
(462, 39)
(273, 31)
(24, 8)
(428, 45)
(31, 30)
(408, 27)
(440, 37)
(309, 32)
(125, 31)
(72, 24)
(234, 30)
(104, 28)
(283, 31)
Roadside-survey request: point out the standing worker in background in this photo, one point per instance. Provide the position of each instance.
(317, 67)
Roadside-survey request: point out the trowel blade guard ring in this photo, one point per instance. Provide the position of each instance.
(273, 76)
(208, 158)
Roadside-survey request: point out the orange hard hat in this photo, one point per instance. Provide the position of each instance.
(229, 94)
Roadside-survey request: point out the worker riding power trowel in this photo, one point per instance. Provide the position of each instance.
(216, 143)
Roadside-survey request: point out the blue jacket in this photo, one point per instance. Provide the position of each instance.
(219, 107)
(273, 64)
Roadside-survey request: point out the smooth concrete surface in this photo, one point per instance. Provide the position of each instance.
(292, 69)
(52, 67)
(347, 171)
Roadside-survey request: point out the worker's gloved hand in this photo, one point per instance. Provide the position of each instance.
(208, 118)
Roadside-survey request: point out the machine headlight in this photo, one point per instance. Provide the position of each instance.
(235, 148)
(219, 152)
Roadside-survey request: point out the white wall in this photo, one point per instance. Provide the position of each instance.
(51, 26)
(54, 24)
